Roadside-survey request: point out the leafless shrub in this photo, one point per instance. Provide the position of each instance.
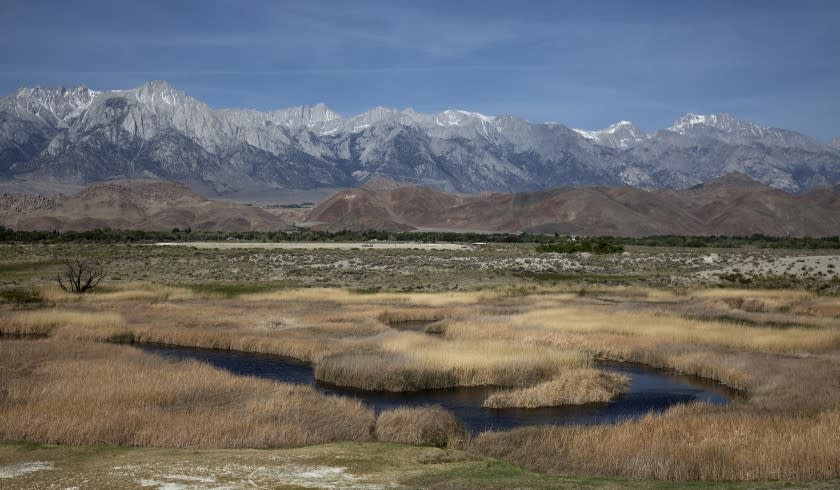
(80, 276)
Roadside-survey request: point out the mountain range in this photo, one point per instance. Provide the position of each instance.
(156, 131)
(731, 205)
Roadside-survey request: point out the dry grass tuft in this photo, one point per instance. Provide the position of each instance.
(571, 387)
(686, 443)
(409, 361)
(80, 393)
(426, 426)
(396, 316)
(64, 324)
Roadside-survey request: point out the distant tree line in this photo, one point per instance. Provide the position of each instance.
(755, 241)
(306, 235)
(301, 235)
(598, 246)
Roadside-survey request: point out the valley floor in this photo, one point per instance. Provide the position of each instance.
(518, 325)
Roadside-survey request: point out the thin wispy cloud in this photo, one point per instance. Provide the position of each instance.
(650, 61)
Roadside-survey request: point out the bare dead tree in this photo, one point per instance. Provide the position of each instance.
(80, 276)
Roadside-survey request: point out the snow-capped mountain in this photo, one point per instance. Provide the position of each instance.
(622, 134)
(79, 135)
(728, 128)
(55, 107)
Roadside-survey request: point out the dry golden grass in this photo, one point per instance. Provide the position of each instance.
(426, 426)
(345, 297)
(767, 294)
(119, 292)
(399, 315)
(64, 323)
(81, 393)
(675, 329)
(686, 443)
(408, 361)
(570, 387)
(505, 337)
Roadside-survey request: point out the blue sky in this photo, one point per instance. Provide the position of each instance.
(584, 64)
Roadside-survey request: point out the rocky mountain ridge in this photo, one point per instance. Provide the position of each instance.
(156, 131)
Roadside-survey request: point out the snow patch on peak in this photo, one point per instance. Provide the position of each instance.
(622, 134)
(682, 124)
(721, 121)
(57, 104)
(456, 117)
(592, 135)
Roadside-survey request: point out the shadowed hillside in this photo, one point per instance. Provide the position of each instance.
(731, 205)
(149, 205)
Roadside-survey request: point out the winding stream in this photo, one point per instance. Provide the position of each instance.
(651, 390)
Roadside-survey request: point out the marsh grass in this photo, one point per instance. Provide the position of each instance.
(695, 442)
(517, 339)
(348, 297)
(425, 426)
(570, 387)
(68, 324)
(666, 327)
(81, 393)
(122, 292)
(395, 316)
(409, 361)
(21, 296)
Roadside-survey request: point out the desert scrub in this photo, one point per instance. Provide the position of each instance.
(423, 426)
(572, 387)
(67, 392)
(409, 361)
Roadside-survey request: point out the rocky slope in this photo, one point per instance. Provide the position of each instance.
(731, 205)
(156, 131)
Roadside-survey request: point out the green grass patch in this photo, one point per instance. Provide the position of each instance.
(573, 277)
(12, 270)
(21, 296)
(234, 289)
(367, 290)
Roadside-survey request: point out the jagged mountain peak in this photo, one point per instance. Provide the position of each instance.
(306, 115)
(457, 117)
(623, 134)
(731, 130)
(57, 106)
(160, 91)
(721, 121)
(835, 143)
(156, 130)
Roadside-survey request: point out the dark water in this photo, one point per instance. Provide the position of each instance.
(650, 390)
